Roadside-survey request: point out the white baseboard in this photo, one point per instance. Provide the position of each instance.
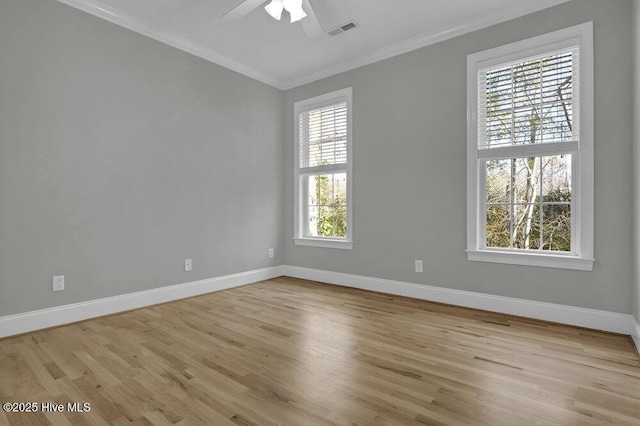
(582, 317)
(570, 315)
(635, 334)
(51, 317)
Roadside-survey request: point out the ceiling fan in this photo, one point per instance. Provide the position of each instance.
(300, 10)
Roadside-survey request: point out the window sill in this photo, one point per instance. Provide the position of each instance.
(532, 259)
(324, 242)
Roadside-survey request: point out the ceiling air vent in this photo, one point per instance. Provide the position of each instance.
(343, 28)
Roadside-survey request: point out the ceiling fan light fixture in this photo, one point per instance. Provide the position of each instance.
(294, 7)
(297, 14)
(290, 5)
(275, 9)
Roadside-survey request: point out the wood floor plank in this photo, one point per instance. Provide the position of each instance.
(294, 352)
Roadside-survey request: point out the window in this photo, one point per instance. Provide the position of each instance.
(323, 195)
(530, 151)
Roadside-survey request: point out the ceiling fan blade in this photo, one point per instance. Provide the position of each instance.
(310, 24)
(242, 9)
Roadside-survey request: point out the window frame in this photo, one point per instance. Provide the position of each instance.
(582, 152)
(300, 212)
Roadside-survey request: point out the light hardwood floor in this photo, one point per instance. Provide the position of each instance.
(294, 352)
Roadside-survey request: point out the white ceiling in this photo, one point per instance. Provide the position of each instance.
(280, 54)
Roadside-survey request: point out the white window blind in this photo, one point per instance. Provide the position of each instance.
(530, 101)
(323, 136)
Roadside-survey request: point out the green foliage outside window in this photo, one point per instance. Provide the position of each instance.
(328, 207)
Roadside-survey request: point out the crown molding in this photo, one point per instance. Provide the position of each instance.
(96, 8)
(426, 39)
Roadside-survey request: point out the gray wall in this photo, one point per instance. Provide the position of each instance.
(636, 120)
(410, 167)
(121, 156)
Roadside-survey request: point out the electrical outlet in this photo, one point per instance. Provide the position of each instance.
(188, 265)
(270, 252)
(58, 283)
(419, 266)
